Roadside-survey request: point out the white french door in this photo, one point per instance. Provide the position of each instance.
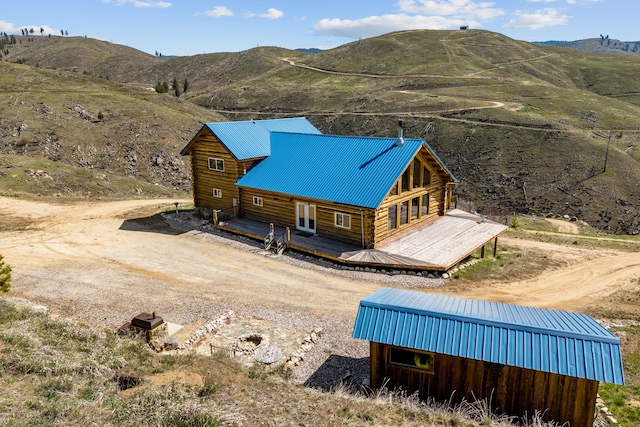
(305, 217)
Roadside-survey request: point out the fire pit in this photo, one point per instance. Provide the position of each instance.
(247, 344)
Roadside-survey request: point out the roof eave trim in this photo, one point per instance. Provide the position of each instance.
(554, 332)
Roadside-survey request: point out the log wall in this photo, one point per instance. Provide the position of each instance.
(205, 180)
(280, 209)
(511, 390)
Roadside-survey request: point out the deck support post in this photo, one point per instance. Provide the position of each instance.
(214, 218)
(482, 252)
(288, 235)
(495, 247)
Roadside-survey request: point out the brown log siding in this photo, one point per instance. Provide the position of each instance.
(280, 209)
(511, 390)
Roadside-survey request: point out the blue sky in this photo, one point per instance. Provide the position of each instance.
(188, 27)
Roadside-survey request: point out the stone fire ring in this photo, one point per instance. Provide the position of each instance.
(267, 355)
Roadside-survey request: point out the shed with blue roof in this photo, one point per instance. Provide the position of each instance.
(521, 359)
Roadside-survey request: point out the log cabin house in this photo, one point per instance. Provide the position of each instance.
(354, 195)
(521, 359)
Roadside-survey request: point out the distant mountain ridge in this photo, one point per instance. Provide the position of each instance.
(604, 44)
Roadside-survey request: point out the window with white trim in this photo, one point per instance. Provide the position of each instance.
(343, 220)
(257, 200)
(216, 164)
(217, 192)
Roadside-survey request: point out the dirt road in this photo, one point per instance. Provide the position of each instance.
(103, 262)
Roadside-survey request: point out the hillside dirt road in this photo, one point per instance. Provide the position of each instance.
(104, 262)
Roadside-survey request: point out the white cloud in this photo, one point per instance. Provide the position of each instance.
(469, 9)
(141, 3)
(272, 13)
(9, 28)
(378, 25)
(538, 19)
(219, 12)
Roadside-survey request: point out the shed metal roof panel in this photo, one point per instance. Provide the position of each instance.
(251, 139)
(351, 170)
(553, 341)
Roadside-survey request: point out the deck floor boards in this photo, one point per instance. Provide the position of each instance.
(438, 244)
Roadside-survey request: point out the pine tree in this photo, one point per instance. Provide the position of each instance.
(5, 276)
(175, 86)
(185, 85)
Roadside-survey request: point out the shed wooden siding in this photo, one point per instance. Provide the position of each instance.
(207, 146)
(436, 191)
(512, 390)
(280, 209)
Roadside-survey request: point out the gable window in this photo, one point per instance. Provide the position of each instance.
(417, 168)
(257, 201)
(343, 220)
(404, 212)
(217, 192)
(415, 207)
(394, 190)
(411, 359)
(426, 176)
(425, 204)
(406, 176)
(392, 217)
(216, 164)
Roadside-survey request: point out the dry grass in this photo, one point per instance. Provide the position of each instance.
(59, 373)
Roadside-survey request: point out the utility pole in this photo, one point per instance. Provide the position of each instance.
(606, 154)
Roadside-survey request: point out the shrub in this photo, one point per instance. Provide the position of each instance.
(5, 276)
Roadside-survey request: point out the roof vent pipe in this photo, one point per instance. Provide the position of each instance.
(400, 139)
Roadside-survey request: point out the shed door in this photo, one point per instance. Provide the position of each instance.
(306, 217)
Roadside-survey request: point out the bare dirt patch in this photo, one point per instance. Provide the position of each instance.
(103, 263)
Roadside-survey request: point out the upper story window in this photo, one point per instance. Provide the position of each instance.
(216, 164)
(426, 176)
(257, 200)
(343, 220)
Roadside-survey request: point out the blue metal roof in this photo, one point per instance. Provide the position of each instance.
(352, 170)
(251, 139)
(553, 341)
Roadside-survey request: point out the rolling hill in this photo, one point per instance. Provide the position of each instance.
(525, 127)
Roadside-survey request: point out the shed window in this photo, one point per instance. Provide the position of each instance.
(393, 217)
(216, 164)
(217, 192)
(411, 359)
(257, 200)
(343, 220)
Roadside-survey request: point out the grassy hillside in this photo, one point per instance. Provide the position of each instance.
(82, 126)
(524, 126)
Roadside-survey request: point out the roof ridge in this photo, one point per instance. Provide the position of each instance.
(500, 323)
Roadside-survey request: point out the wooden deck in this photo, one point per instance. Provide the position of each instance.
(437, 245)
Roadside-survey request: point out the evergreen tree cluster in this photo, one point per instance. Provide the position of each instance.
(175, 87)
